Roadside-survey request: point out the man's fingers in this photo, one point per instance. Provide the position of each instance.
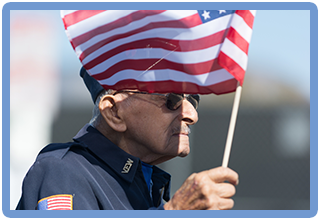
(222, 174)
(225, 204)
(225, 190)
(206, 190)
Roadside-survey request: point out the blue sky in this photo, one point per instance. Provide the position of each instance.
(280, 47)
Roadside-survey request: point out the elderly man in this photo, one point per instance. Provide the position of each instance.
(112, 162)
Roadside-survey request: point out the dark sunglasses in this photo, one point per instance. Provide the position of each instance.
(174, 101)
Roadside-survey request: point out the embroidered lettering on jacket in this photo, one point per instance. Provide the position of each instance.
(127, 166)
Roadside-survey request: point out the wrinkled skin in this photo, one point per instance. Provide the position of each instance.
(206, 190)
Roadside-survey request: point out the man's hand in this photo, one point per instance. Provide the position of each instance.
(206, 190)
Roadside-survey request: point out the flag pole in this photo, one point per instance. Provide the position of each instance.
(232, 125)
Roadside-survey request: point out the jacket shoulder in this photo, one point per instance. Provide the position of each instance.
(57, 150)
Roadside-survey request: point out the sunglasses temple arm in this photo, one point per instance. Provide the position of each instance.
(232, 125)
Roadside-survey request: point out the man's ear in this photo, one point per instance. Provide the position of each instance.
(109, 112)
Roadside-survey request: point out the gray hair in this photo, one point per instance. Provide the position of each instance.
(95, 111)
(96, 115)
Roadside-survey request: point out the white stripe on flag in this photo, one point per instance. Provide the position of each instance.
(95, 21)
(241, 27)
(86, 26)
(191, 57)
(167, 33)
(235, 53)
(253, 12)
(164, 75)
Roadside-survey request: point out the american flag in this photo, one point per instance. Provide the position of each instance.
(56, 202)
(183, 51)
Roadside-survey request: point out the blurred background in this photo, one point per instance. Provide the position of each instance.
(271, 146)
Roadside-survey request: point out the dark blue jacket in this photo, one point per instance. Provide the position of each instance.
(96, 173)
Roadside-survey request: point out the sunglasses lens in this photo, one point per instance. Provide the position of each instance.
(194, 100)
(174, 101)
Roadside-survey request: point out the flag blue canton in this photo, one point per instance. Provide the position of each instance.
(208, 15)
(43, 205)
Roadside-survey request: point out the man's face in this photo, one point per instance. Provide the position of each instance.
(155, 133)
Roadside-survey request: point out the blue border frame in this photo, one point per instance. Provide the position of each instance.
(164, 4)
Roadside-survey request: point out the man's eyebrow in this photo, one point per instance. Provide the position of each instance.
(159, 97)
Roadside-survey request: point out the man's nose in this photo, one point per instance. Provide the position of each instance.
(188, 113)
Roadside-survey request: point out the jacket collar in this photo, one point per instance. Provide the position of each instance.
(124, 164)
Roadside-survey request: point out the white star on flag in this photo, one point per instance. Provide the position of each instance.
(206, 15)
(222, 11)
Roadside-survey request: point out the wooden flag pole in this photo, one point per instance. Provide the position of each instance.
(232, 125)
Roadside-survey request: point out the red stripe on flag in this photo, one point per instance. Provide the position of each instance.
(170, 45)
(154, 64)
(138, 15)
(247, 17)
(168, 24)
(59, 203)
(238, 40)
(231, 66)
(201, 43)
(77, 16)
(59, 206)
(61, 209)
(176, 87)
